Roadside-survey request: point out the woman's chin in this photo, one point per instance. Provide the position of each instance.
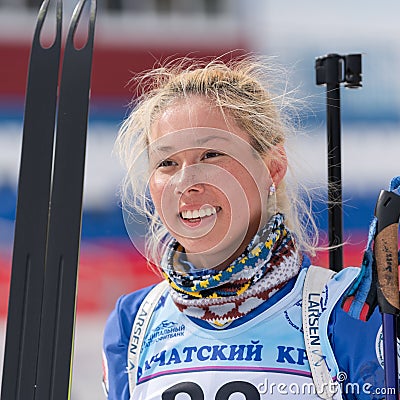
(195, 232)
(207, 253)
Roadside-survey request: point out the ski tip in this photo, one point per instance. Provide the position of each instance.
(76, 20)
(42, 15)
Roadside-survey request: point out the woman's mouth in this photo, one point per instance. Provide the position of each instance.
(196, 216)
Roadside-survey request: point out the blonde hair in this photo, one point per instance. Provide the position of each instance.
(243, 89)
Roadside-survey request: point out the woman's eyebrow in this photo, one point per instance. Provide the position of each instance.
(169, 149)
(206, 139)
(160, 150)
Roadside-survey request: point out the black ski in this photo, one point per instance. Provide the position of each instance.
(47, 233)
(30, 239)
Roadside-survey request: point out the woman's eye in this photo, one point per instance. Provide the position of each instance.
(165, 163)
(212, 154)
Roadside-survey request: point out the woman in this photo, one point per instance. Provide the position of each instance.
(230, 240)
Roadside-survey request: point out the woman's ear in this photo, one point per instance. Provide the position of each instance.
(277, 163)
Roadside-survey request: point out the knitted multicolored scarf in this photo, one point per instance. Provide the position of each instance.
(220, 297)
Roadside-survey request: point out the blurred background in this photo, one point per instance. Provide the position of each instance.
(133, 35)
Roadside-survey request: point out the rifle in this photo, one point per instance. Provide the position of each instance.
(332, 70)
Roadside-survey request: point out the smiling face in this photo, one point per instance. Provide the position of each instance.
(208, 184)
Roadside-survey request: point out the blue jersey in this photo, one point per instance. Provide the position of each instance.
(260, 356)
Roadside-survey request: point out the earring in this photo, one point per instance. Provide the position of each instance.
(272, 189)
(272, 199)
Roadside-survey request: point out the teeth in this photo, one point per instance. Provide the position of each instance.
(191, 214)
(195, 214)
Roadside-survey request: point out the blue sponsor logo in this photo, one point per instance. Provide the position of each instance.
(165, 330)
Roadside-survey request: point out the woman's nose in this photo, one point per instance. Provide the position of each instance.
(188, 180)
